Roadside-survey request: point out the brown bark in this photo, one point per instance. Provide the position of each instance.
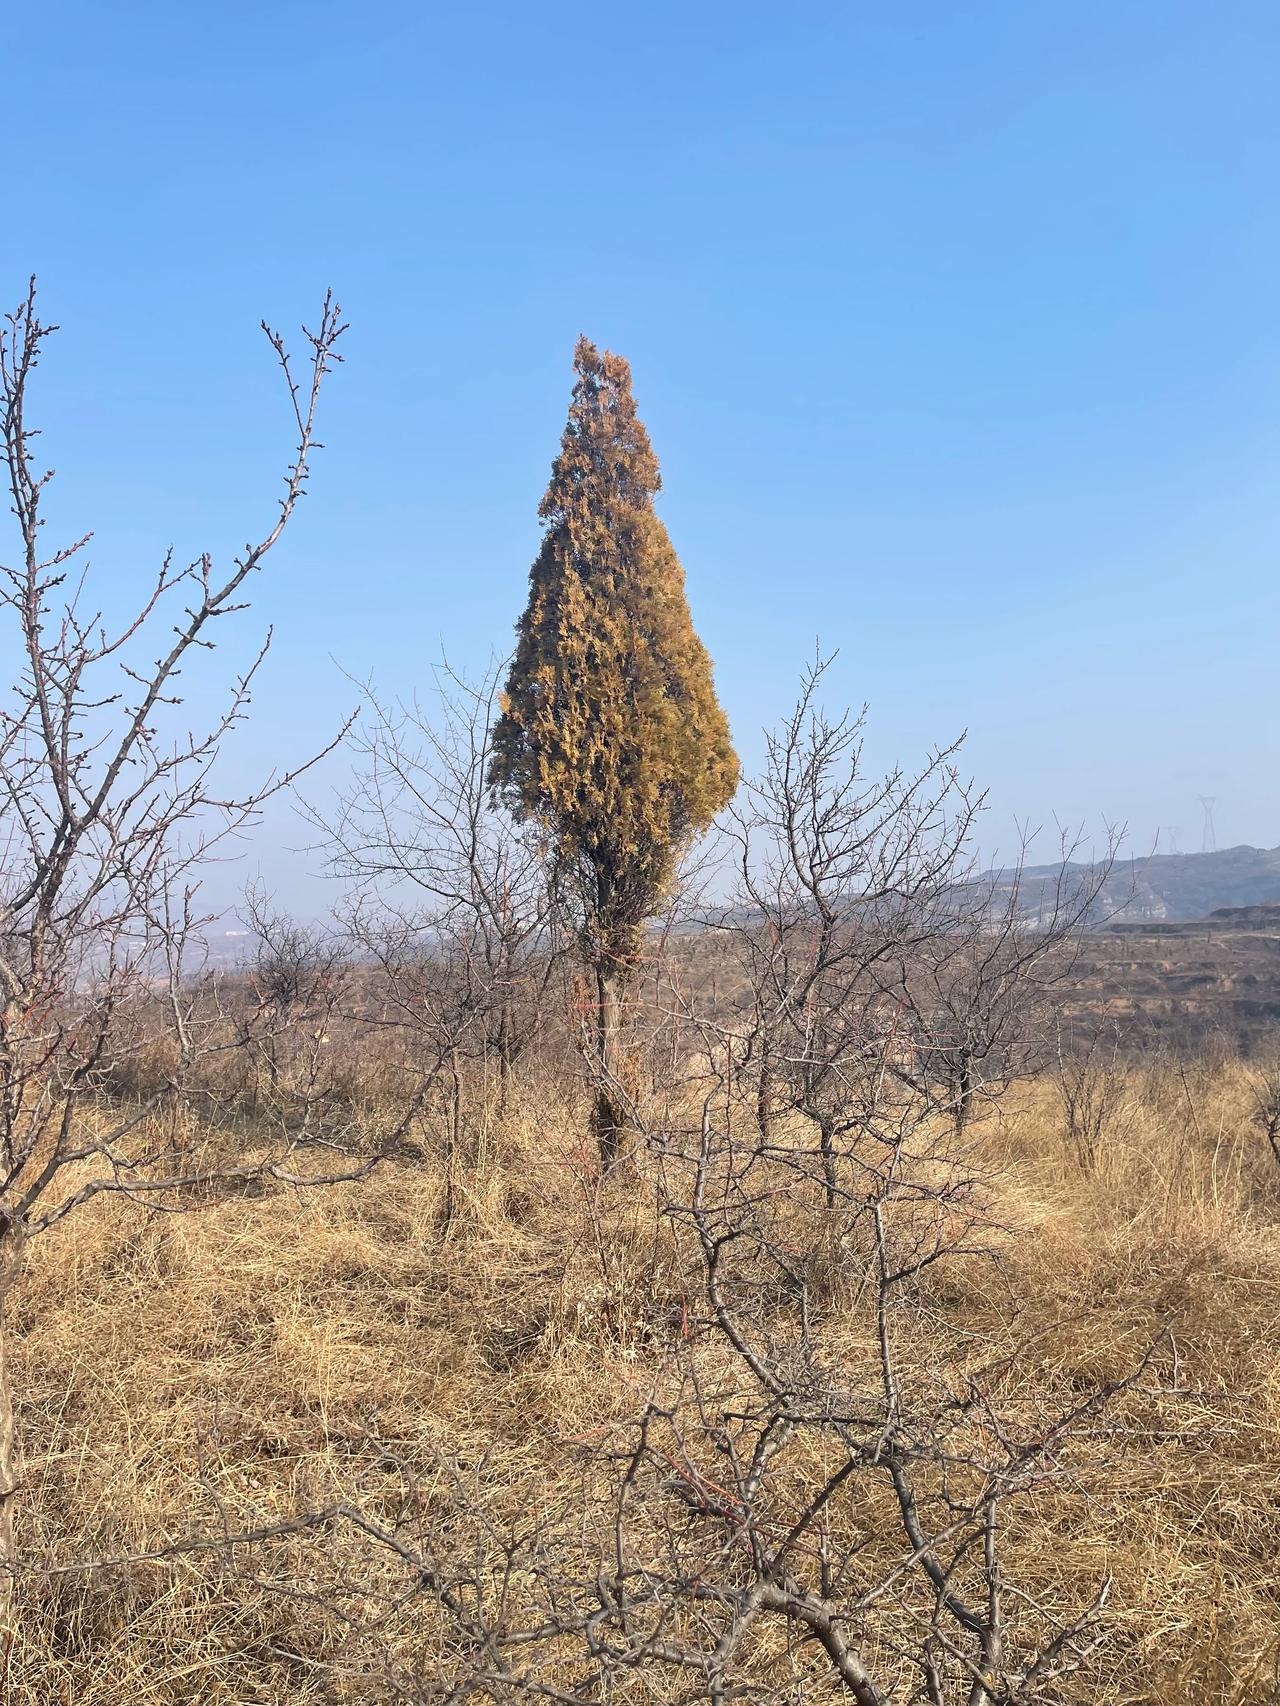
(764, 1094)
(610, 1118)
(453, 1140)
(963, 1095)
(827, 1144)
(8, 1495)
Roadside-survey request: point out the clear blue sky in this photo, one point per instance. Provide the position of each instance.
(956, 328)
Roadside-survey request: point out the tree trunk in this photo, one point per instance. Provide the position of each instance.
(506, 1058)
(827, 1143)
(764, 1094)
(610, 1118)
(452, 1140)
(8, 1494)
(963, 1088)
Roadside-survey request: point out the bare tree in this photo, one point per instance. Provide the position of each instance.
(449, 898)
(298, 972)
(1089, 1078)
(874, 958)
(109, 807)
(984, 984)
(843, 883)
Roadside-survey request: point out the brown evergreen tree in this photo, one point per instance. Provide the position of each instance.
(612, 740)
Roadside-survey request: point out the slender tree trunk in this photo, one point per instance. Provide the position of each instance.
(610, 1109)
(8, 1495)
(506, 1031)
(764, 1093)
(453, 1139)
(827, 1142)
(963, 1095)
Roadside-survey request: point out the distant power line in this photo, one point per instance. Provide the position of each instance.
(1209, 840)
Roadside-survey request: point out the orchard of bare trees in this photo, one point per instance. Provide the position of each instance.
(657, 1240)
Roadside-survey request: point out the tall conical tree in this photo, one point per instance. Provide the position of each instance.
(612, 740)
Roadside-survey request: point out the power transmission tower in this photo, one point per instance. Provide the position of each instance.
(1209, 840)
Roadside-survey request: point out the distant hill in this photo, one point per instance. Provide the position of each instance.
(1164, 888)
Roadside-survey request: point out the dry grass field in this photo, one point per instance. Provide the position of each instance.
(270, 1355)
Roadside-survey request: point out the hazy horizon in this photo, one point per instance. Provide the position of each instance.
(955, 336)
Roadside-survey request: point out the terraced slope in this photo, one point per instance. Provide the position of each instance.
(1187, 983)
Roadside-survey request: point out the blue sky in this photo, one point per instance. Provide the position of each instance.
(955, 327)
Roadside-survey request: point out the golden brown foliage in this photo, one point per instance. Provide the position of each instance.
(612, 739)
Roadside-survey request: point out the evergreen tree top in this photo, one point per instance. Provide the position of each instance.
(604, 439)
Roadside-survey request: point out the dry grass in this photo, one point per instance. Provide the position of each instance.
(230, 1365)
